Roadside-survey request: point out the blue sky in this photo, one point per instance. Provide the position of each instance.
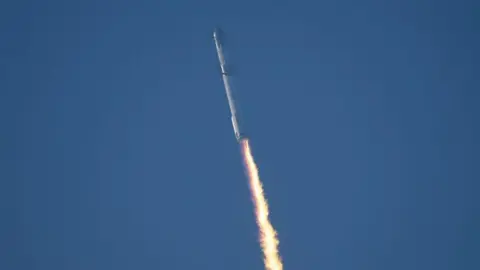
(118, 151)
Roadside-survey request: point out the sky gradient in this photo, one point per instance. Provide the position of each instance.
(117, 150)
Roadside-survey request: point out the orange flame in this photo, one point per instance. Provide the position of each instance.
(268, 235)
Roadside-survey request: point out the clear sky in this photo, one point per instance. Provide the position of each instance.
(117, 150)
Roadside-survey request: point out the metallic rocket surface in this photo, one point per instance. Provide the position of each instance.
(231, 101)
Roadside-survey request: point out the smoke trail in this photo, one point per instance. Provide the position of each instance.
(268, 235)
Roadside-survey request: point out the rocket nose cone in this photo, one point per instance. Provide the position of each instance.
(217, 32)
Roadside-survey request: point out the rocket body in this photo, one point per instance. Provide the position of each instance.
(225, 77)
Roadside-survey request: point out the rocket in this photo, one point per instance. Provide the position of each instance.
(225, 77)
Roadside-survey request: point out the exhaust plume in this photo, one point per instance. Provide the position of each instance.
(268, 235)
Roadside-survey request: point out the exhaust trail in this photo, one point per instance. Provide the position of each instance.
(268, 236)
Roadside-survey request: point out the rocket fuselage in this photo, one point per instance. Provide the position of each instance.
(231, 101)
